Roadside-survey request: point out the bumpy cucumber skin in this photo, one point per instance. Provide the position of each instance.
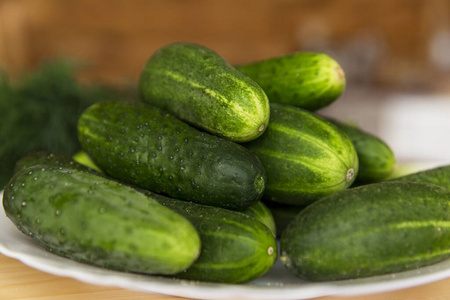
(376, 159)
(198, 86)
(305, 156)
(439, 176)
(304, 79)
(236, 247)
(263, 214)
(47, 158)
(98, 221)
(370, 230)
(147, 147)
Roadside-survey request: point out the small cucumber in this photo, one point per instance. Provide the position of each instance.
(373, 229)
(376, 159)
(91, 219)
(305, 156)
(198, 86)
(304, 79)
(147, 147)
(263, 214)
(236, 247)
(439, 176)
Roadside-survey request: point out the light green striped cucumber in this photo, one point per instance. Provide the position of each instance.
(305, 79)
(236, 247)
(263, 214)
(370, 230)
(91, 219)
(198, 86)
(376, 159)
(305, 156)
(439, 176)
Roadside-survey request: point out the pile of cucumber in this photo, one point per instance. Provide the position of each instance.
(217, 163)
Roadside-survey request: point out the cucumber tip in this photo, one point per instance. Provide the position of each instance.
(350, 174)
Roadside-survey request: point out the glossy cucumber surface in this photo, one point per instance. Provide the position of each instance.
(376, 159)
(92, 219)
(147, 147)
(198, 86)
(236, 247)
(304, 79)
(262, 213)
(305, 156)
(370, 230)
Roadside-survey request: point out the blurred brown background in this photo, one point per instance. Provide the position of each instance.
(394, 43)
(386, 47)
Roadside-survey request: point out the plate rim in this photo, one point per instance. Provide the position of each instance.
(205, 290)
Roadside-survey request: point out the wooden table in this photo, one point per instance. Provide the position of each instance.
(18, 281)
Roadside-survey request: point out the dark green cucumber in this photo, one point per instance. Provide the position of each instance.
(258, 210)
(263, 214)
(370, 230)
(283, 214)
(439, 176)
(304, 79)
(198, 86)
(305, 156)
(147, 147)
(236, 247)
(376, 159)
(91, 219)
(47, 158)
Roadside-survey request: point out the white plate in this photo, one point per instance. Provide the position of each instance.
(276, 284)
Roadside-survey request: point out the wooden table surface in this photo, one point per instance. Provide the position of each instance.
(18, 281)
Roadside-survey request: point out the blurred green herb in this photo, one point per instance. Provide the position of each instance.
(41, 112)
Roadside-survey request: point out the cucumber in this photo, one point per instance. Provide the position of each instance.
(370, 230)
(236, 247)
(439, 176)
(198, 86)
(47, 158)
(91, 219)
(147, 147)
(305, 156)
(263, 214)
(84, 159)
(283, 214)
(304, 79)
(376, 159)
